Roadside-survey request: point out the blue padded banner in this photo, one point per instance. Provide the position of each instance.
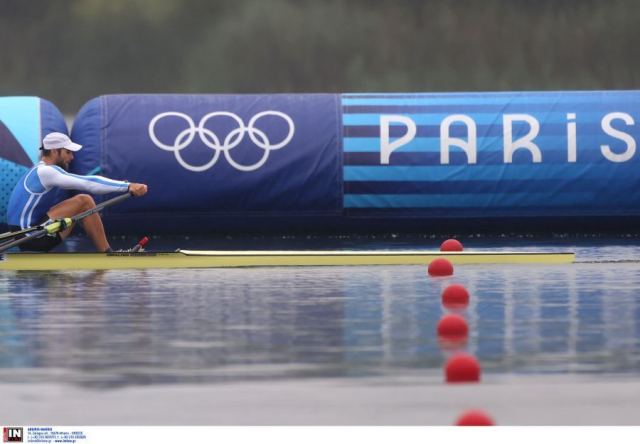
(221, 155)
(491, 154)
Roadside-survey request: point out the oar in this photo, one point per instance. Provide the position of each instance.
(61, 224)
(12, 234)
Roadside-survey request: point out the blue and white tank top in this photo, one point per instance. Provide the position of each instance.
(39, 190)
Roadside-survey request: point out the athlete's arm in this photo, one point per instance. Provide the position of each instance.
(54, 176)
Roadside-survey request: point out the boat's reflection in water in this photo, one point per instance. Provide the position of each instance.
(137, 327)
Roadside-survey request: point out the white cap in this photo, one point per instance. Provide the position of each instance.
(55, 141)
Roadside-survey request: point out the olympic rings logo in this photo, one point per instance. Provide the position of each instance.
(212, 141)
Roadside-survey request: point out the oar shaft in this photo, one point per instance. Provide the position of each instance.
(61, 224)
(14, 243)
(100, 207)
(51, 228)
(11, 234)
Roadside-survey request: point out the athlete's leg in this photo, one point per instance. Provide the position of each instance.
(92, 224)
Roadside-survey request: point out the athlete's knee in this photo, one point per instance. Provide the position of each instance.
(86, 201)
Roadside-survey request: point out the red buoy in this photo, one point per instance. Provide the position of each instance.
(453, 326)
(440, 267)
(462, 368)
(475, 418)
(451, 245)
(455, 296)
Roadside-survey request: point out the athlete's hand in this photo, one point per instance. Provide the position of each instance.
(138, 189)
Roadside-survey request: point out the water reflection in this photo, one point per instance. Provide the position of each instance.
(145, 327)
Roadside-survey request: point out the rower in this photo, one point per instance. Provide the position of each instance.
(38, 196)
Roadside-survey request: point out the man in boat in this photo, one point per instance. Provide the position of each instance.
(38, 196)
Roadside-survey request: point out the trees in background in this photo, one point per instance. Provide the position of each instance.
(72, 50)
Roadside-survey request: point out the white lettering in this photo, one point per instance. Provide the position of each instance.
(386, 145)
(626, 138)
(469, 146)
(524, 142)
(511, 145)
(572, 139)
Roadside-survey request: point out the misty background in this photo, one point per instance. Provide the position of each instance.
(69, 51)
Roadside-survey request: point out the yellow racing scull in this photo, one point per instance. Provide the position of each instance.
(296, 258)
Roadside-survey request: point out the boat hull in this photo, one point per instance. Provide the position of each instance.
(222, 259)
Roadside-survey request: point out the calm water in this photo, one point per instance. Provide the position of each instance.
(119, 329)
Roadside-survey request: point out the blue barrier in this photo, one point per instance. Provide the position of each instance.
(214, 158)
(309, 162)
(484, 155)
(24, 121)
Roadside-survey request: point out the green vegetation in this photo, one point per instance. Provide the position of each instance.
(69, 51)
